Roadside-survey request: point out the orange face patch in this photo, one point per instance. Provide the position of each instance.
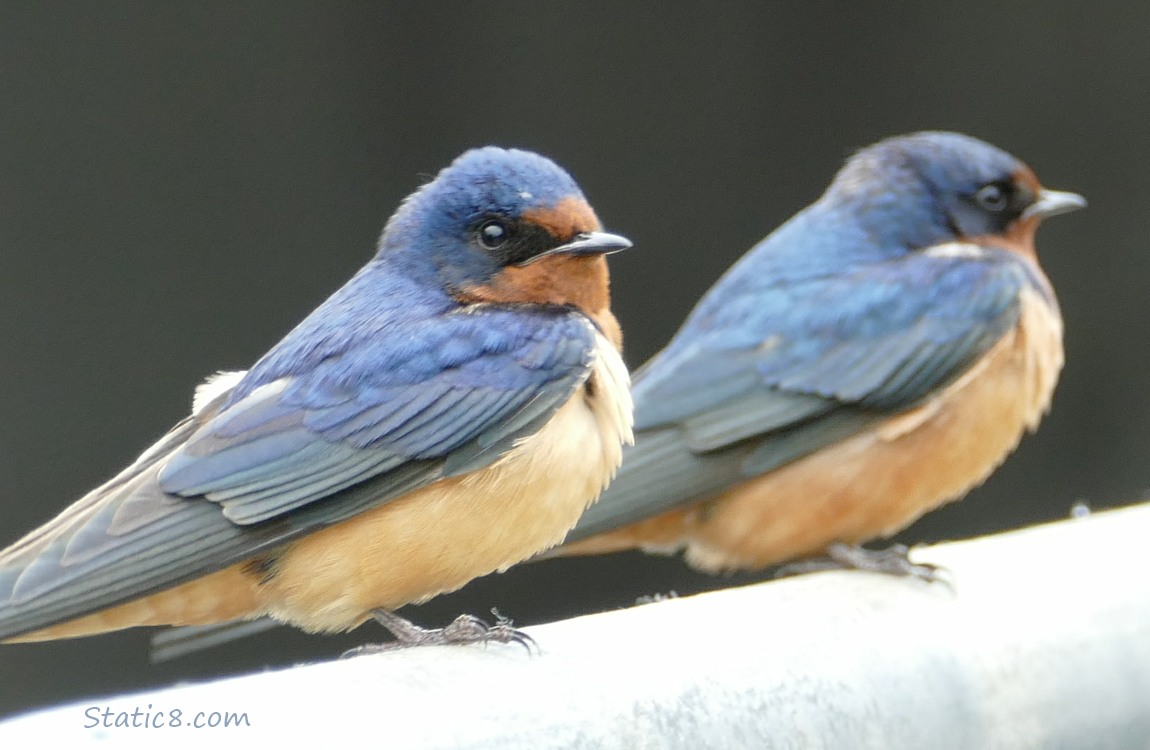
(1019, 236)
(1027, 179)
(581, 281)
(578, 280)
(566, 219)
(554, 280)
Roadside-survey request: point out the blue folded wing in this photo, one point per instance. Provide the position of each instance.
(369, 410)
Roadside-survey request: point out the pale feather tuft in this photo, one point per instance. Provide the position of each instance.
(214, 386)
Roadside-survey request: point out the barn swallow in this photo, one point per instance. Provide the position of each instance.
(878, 355)
(448, 412)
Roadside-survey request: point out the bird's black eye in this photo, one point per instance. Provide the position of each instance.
(493, 233)
(993, 197)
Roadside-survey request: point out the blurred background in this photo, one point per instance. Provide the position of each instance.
(180, 183)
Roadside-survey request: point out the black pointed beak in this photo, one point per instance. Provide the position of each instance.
(587, 243)
(1054, 202)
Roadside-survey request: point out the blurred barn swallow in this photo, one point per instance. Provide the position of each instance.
(448, 412)
(876, 356)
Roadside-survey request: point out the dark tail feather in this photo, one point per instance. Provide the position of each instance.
(176, 642)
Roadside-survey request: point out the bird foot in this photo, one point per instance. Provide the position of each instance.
(464, 629)
(893, 560)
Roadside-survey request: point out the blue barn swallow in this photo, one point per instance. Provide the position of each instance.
(448, 412)
(880, 354)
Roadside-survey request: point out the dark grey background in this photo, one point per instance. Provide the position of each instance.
(180, 185)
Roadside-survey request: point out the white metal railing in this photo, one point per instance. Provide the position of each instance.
(1042, 640)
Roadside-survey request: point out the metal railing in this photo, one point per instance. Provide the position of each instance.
(1041, 639)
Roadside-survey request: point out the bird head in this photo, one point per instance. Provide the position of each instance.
(505, 226)
(925, 189)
